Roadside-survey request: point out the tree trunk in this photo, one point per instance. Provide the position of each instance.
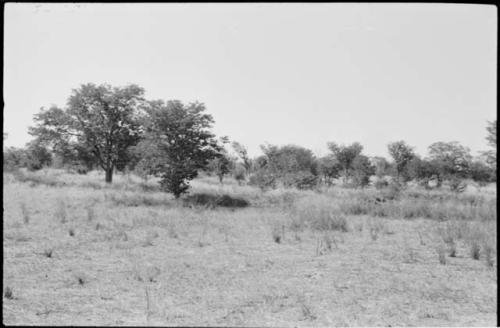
(109, 174)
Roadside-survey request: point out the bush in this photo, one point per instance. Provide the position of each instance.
(319, 213)
(213, 200)
(300, 180)
(263, 179)
(381, 183)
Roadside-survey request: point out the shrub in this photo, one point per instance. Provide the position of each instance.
(319, 214)
(381, 183)
(441, 255)
(214, 200)
(264, 180)
(300, 180)
(25, 212)
(475, 250)
(61, 211)
(276, 233)
(8, 293)
(457, 185)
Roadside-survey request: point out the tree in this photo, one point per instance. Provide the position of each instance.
(145, 161)
(184, 142)
(345, 155)
(291, 165)
(14, 158)
(402, 154)
(362, 170)
(329, 168)
(243, 155)
(239, 173)
(491, 138)
(101, 118)
(221, 165)
(289, 159)
(450, 160)
(422, 170)
(481, 172)
(37, 156)
(382, 166)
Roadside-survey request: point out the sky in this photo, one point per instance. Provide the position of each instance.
(303, 74)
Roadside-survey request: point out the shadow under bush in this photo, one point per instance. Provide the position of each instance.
(214, 200)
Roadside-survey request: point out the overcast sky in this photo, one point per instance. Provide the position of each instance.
(300, 74)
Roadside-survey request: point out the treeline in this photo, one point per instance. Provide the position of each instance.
(117, 129)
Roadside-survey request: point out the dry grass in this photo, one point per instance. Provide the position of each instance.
(143, 264)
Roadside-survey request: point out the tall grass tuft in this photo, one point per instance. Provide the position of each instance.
(60, 212)
(475, 250)
(318, 213)
(488, 254)
(25, 213)
(441, 254)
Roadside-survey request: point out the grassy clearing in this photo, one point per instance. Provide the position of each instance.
(289, 258)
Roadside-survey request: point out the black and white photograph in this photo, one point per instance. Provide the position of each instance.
(250, 164)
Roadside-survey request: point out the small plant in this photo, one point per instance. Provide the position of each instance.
(8, 293)
(150, 237)
(475, 250)
(307, 313)
(453, 249)
(71, 232)
(488, 250)
(171, 231)
(152, 272)
(422, 242)
(81, 278)
(90, 213)
(61, 211)
(26, 214)
(276, 233)
(441, 255)
(329, 240)
(375, 229)
(411, 256)
(48, 252)
(324, 244)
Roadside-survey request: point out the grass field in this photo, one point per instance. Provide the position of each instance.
(80, 252)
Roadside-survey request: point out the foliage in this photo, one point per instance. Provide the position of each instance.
(294, 166)
(450, 159)
(422, 170)
(328, 168)
(300, 180)
(37, 156)
(144, 158)
(345, 155)
(14, 158)
(263, 179)
(362, 170)
(239, 173)
(102, 119)
(243, 155)
(222, 164)
(382, 166)
(289, 158)
(482, 173)
(402, 154)
(184, 142)
(491, 138)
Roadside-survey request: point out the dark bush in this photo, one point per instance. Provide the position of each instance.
(212, 201)
(263, 179)
(300, 180)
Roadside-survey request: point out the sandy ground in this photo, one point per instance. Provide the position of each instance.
(169, 265)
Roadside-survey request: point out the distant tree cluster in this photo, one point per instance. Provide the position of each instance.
(117, 129)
